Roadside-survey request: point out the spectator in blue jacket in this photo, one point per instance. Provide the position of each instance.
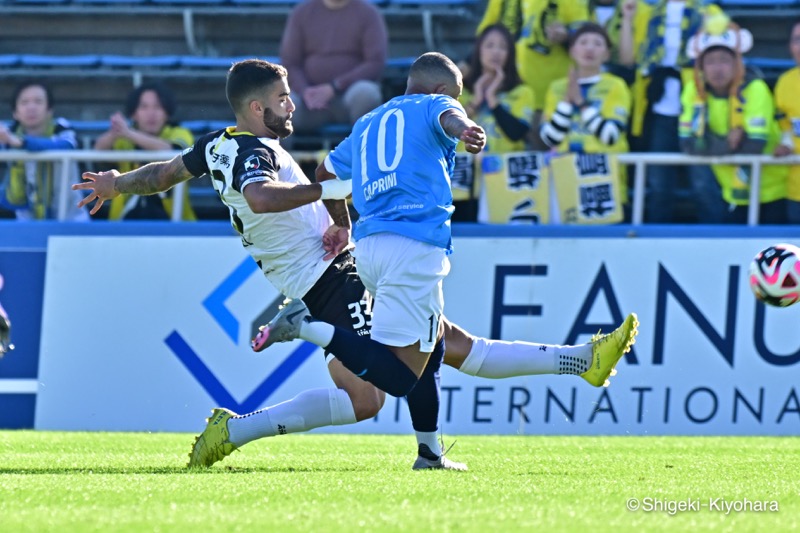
(33, 188)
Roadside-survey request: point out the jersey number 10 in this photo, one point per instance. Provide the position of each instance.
(399, 126)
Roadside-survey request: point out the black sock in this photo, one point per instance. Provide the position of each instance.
(373, 362)
(423, 400)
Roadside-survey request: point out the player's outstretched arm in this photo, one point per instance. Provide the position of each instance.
(458, 125)
(149, 179)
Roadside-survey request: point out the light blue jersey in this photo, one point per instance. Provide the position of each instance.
(400, 160)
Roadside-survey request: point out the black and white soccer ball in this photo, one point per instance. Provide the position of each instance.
(775, 275)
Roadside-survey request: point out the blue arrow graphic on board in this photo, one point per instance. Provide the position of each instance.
(217, 390)
(215, 302)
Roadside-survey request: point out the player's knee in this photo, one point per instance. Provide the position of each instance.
(368, 403)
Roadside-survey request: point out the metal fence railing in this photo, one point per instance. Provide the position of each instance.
(640, 161)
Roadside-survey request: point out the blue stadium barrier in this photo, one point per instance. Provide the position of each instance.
(422, 3)
(110, 60)
(201, 127)
(38, 1)
(287, 3)
(85, 126)
(9, 60)
(211, 62)
(769, 63)
(758, 3)
(189, 2)
(110, 2)
(37, 60)
(400, 62)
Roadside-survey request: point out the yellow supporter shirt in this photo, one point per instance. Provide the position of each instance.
(539, 61)
(518, 102)
(179, 138)
(611, 96)
(758, 121)
(787, 105)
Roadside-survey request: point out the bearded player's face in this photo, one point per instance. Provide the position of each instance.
(279, 108)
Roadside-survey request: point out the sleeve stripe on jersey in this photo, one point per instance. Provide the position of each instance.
(551, 135)
(607, 131)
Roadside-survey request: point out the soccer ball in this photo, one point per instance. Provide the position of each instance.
(775, 275)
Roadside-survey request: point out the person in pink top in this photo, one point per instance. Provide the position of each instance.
(335, 53)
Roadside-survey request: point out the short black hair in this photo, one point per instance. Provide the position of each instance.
(432, 68)
(24, 85)
(589, 27)
(165, 96)
(248, 76)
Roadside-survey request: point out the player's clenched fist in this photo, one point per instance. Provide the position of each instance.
(474, 139)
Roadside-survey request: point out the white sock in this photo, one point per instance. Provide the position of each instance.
(500, 359)
(430, 439)
(308, 410)
(319, 333)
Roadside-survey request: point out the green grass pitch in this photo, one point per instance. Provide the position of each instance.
(52, 481)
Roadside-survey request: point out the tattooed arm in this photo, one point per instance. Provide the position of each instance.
(457, 125)
(149, 179)
(337, 209)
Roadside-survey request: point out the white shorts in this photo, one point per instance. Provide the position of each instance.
(404, 277)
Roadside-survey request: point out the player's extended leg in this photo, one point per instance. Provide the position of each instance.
(594, 361)
(352, 401)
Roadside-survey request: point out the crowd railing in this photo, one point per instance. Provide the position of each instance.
(639, 161)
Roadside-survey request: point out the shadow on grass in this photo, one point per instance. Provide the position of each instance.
(172, 470)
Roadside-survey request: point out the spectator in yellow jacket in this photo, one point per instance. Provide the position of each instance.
(727, 110)
(542, 46)
(787, 105)
(150, 108)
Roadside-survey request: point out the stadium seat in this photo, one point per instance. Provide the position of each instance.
(120, 61)
(37, 60)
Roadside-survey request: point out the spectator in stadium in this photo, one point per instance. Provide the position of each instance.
(301, 249)
(496, 99)
(588, 110)
(505, 12)
(33, 189)
(787, 105)
(151, 110)
(651, 37)
(335, 52)
(542, 55)
(728, 110)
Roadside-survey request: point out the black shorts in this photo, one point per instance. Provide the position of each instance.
(339, 297)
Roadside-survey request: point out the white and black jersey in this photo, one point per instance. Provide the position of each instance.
(287, 246)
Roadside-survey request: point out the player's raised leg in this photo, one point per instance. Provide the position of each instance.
(488, 358)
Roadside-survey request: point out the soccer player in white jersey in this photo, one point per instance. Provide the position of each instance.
(5, 329)
(297, 233)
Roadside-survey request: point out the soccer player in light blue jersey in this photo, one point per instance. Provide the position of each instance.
(399, 158)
